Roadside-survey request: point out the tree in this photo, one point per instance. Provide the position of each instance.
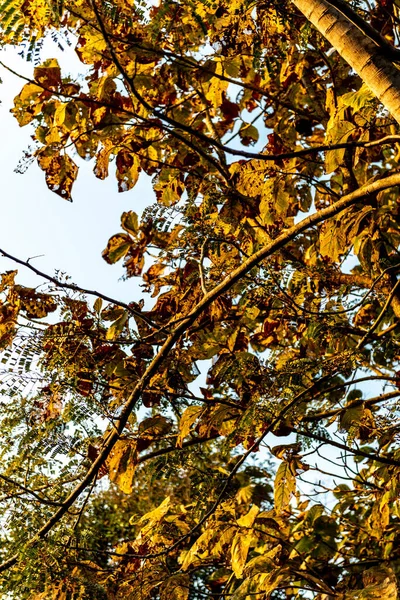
(271, 258)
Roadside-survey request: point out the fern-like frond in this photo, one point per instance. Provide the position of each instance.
(19, 373)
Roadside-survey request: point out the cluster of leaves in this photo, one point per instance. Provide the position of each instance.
(271, 256)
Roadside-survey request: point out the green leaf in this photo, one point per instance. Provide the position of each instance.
(304, 545)
(351, 416)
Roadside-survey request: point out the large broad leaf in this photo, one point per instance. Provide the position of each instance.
(284, 487)
(128, 169)
(154, 517)
(379, 583)
(239, 550)
(248, 519)
(117, 247)
(130, 222)
(122, 464)
(189, 417)
(351, 416)
(30, 96)
(332, 240)
(175, 588)
(255, 586)
(248, 134)
(249, 176)
(168, 187)
(201, 545)
(339, 133)
(357, 100)
(48, 74)
(117, 327)
(61, 172)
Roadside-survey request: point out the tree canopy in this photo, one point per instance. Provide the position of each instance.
(233, 432)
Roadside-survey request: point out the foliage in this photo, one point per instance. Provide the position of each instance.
(269, 265)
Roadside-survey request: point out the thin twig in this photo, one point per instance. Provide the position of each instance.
(26, 490)
(77, 288)
(380, 316)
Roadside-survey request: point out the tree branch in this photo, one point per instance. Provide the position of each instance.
(235, 276)
(77, 288)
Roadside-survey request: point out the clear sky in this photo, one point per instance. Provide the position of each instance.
(35, 221)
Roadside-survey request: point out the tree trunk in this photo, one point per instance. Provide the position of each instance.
(358, 50)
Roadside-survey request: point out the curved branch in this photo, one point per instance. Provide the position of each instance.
(337, 411)
(26, 490)
(254, 260)
(233, 151)
(77, 288)
(355, 451)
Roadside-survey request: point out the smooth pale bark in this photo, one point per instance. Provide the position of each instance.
(358, 50)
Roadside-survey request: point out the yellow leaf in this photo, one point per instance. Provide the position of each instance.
(66, 115)
(102, 160)
(122, 464)
(118, 245)
(249, 176)
(240, 548)
(338, 133)
(128, 169)
(7, 279)
(201, 545)
(91, 45)
(153, 518)
(284, 487)
(61, 172)
(267, 202)
(157, 514)
(175, 588)
(380, 584)
(117, 327)
(359, 99)
(130, 222)
(332, 241)
(216, 88)
(98, 305)
(248, 519)
(188, 418)
(265, 563)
